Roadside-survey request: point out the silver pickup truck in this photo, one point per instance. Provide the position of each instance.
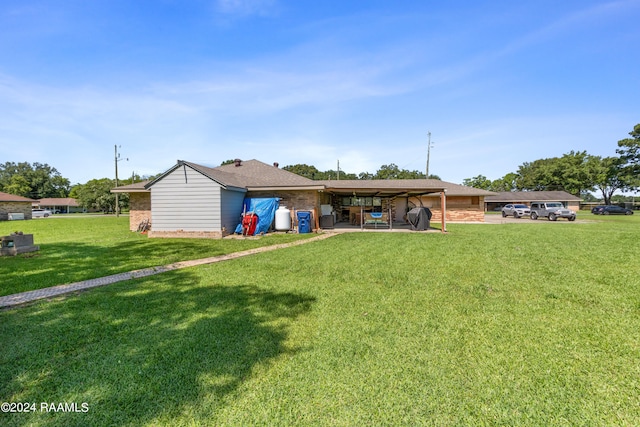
(551, 210)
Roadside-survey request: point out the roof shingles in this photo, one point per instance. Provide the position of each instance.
(6, 197)
(256, 175)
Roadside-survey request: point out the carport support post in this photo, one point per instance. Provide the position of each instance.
(443, 207)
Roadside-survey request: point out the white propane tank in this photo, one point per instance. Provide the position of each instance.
(283, 219)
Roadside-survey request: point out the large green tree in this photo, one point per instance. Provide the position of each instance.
(479, 181)
(509, 182)
(35, 180)
(96, 195)
(609, 176)
(392, 171)
(573, 173)
(307, 171)
(629, 151)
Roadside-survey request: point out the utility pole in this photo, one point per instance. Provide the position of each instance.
(428, 152)
(338, 170)
(117, 159)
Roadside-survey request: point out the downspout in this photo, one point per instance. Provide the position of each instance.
(443, 205)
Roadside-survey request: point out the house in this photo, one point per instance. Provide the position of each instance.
(59, 204)
(12, 204)
(191, 200)
(498, 200)
(139, 203)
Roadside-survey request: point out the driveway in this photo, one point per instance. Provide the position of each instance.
(498, 219)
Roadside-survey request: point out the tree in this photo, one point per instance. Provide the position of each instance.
(305, 170)
(577, 172)
(610, 176)
(506, 183)
(96, 194)
(573, 173)
(35, 181)
(532, 176)
(589, 197)
(332, 174)
(629, 152)
(479, 181)
(392, 171)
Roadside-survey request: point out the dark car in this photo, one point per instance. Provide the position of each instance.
(612, 210)
(595, 209)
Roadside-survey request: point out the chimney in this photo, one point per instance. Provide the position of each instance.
(276, 164)
(237, 162)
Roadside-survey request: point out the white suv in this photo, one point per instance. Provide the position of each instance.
(552, 210)
(40, 213)
(516, 210)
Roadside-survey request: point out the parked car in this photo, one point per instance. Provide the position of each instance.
(40, 213)
(516, 210)
(611, 210)
(595, 209)
(551, 210)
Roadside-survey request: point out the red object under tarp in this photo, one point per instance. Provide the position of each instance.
(249, 223)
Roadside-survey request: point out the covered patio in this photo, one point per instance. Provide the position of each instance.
(380, 204)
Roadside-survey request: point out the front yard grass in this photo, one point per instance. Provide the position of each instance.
(81, 248)
(515, 324)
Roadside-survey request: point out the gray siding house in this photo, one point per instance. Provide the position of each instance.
(206, 205)
(191, 200)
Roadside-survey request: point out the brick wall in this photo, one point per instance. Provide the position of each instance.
(298, 200)
(14, 207)
(139, 209)
(458, 215)
(294, 201)
(459, 208)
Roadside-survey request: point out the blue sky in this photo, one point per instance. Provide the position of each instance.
(497, 83)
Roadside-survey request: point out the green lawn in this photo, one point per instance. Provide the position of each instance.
(533, 324)
(75, 248)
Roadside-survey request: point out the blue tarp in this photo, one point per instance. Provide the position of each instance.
(264, 208)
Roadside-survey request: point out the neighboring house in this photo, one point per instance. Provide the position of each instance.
(498, 200)
(59, 205)
(191, 200)
(12, 204)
